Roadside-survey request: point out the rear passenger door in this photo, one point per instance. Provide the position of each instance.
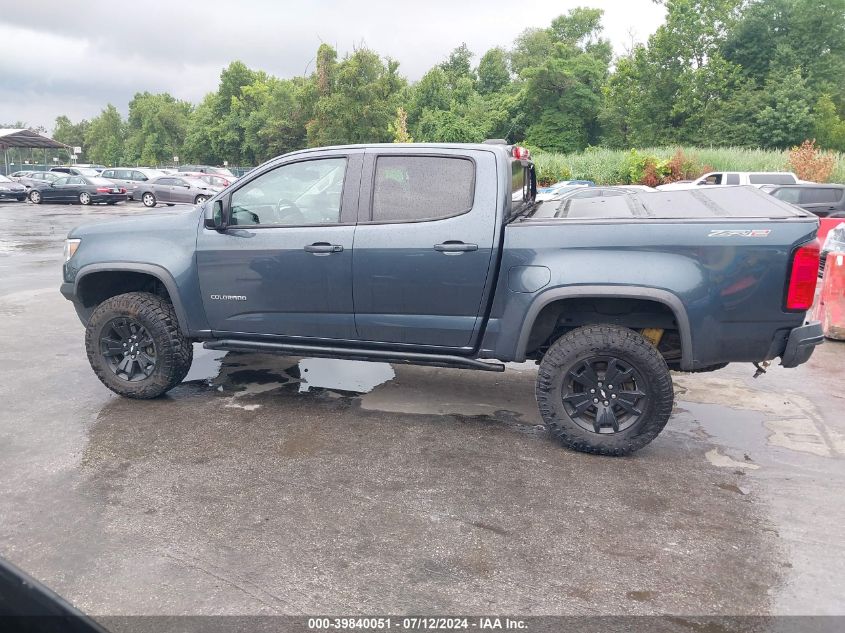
(423, 246)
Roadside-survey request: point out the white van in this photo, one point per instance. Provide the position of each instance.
(724, 178)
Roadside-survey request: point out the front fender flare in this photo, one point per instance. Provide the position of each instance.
(154, 270)
(665, 297)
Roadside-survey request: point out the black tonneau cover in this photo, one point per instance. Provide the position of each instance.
(700, 203)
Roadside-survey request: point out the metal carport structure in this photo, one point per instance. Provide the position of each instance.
(23, 138)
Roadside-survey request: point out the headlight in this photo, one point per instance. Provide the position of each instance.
(70, 248)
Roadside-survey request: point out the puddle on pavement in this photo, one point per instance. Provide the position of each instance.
(740, 417)
(248, 374)
(469, 395)
(342, 375)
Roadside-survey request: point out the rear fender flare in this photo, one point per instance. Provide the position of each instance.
(665, 297)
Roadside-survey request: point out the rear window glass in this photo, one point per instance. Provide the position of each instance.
(820, 195)
(788, 194)
(771, 179)
(411, 188)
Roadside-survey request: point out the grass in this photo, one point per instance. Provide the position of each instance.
(608, 166)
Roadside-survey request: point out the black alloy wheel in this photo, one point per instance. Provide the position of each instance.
(128, 349)
(602, 394)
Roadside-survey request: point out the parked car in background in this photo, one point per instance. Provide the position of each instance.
(81, 189)
(77, 171)
(212, 179)
(173, 189)
(20, 174)
(11, 190)
(207, 169)
(581, 192)
(825, 200)
(725, 178)
(36, 177)
(131, 177)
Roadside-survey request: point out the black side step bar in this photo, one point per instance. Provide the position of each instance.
(376, 355)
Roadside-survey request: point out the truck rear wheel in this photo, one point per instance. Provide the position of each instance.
(604, 389)
(135, 346)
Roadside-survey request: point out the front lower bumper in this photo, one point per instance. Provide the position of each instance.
(801, 343)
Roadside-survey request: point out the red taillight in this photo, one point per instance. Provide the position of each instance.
(520, 153)
(103, 189)
(803, 276)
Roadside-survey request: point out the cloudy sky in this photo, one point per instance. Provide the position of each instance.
(74, 57)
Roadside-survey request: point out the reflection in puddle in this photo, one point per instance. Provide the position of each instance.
(343, 375)
(248, 373)
(206, 365)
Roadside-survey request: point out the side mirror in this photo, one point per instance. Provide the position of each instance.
(214, 216)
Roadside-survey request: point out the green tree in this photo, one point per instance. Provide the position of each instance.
(828, 126)
(360, 102)
(530, 48)
(71, 134)
(807, 35)
(156, 128)
(493, 73)
(563, 93)
(105, 137)
(785, 119)
(458, 65)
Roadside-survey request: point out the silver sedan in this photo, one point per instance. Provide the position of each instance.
(172, 189)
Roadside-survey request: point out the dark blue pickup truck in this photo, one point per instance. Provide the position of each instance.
(439, 254)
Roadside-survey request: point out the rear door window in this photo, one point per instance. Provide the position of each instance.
(820, 195)
(732, 179)
(771, 179)
(415, 188)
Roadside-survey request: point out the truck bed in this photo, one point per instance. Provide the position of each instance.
(704, 203)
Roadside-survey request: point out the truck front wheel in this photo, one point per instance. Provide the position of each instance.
(135, 346)
(604, 389)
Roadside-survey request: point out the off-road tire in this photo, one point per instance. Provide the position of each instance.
(632, 349)
(174, 352)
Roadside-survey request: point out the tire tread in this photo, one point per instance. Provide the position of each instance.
(599, 338)
(176, 350)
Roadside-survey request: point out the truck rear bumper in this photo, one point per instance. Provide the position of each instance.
(801, 343)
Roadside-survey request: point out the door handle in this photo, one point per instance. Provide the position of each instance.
(455, 246)
(323, 248)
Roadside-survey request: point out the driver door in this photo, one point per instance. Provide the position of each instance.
(283, 266)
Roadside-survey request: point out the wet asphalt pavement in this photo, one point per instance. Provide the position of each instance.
(268, 485)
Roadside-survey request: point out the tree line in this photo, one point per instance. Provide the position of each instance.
(748, 73)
